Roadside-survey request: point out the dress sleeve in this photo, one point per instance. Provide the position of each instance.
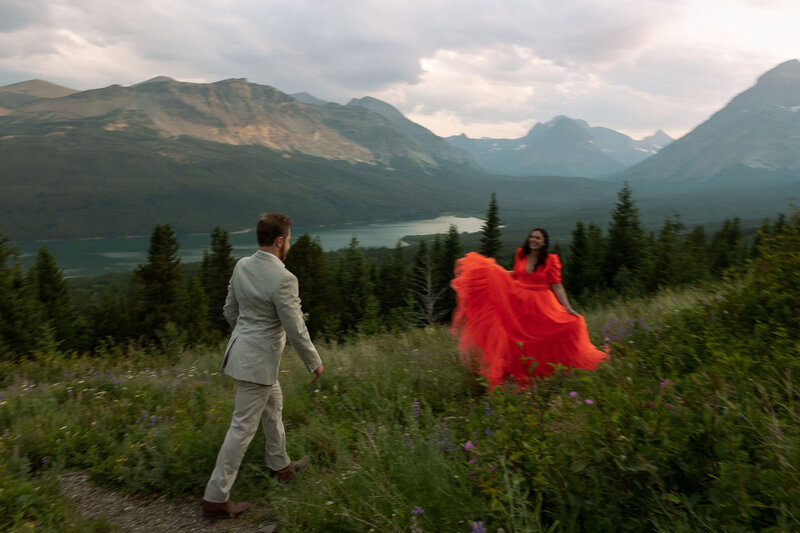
(554, 272)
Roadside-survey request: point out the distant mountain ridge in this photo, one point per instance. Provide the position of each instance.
(118, 160)
(18, 94)
(562, 147)
(238, 112)
(754, 141)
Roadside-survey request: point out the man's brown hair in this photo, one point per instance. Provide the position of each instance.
(271, 226)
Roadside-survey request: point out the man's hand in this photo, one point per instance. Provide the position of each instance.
(317, 373)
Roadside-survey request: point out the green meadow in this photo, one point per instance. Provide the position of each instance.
(692, 425)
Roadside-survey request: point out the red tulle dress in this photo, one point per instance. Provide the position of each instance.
(513, 324)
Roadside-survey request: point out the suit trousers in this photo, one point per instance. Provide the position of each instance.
(254, 402)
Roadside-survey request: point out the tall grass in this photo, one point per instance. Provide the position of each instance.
(662, 437)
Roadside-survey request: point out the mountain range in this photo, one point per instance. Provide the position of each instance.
(751, 143)
(18, 94)
(118, 160)
(562, 147)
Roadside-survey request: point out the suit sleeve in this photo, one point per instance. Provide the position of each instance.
(231, 308)
(287, 303)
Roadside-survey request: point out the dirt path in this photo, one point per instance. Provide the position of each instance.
(138, 515)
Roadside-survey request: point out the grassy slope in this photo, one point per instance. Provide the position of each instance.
(670, 441)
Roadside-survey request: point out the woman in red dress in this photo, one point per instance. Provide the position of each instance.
(518, 323)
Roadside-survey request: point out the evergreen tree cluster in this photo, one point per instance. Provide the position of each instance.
(628, 261)
(343, 294)
(165, 303)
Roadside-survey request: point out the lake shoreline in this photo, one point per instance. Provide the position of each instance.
(88, 257)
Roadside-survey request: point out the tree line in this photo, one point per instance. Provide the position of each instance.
(165, 303)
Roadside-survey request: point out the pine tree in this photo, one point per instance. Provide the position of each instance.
(392, 290)
(69, 328)
(318, 293)
(23, 324)
(728, 248)
(490, 232)
(422, 286)
(696, 259)
(444, 265)
(158, 289)
(594, 279)
(113, 317)
(355, 288)
(625, 247)
(576, 264)
(215, 274)
(667, 258)
(194, 320)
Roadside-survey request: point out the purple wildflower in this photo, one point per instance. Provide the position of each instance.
(588, 401)
(488, 432)
(468, 445)
(471, 461)
(664, 384)
(573, 394)
(477, 527)
(417, 510)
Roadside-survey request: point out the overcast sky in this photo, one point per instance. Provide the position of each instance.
(490, 68)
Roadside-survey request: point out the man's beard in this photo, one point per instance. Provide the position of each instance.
(283, 251)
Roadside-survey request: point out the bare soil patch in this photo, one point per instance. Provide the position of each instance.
(136, 514)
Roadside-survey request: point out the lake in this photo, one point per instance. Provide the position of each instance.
(92, 257)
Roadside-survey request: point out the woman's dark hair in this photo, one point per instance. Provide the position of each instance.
(543, 251)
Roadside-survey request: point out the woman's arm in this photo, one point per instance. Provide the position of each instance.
(561, 294)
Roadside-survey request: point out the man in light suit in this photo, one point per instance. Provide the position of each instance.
(263, 307)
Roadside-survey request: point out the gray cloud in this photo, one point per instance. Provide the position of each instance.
(640, 64)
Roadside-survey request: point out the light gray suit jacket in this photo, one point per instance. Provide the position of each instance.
(263, 308)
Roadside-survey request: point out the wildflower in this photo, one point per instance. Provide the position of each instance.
(488, 432)
(468, 445)
(573, 394)
(664, 384)
(488, 410)
(670, 406)
(417, 510)
(588, 401)
(650, 405)
(471, 461)
(153, 419)
(415, 409)
(477, 527)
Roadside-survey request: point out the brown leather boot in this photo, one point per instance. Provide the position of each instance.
(229, 509)
(285, 475)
